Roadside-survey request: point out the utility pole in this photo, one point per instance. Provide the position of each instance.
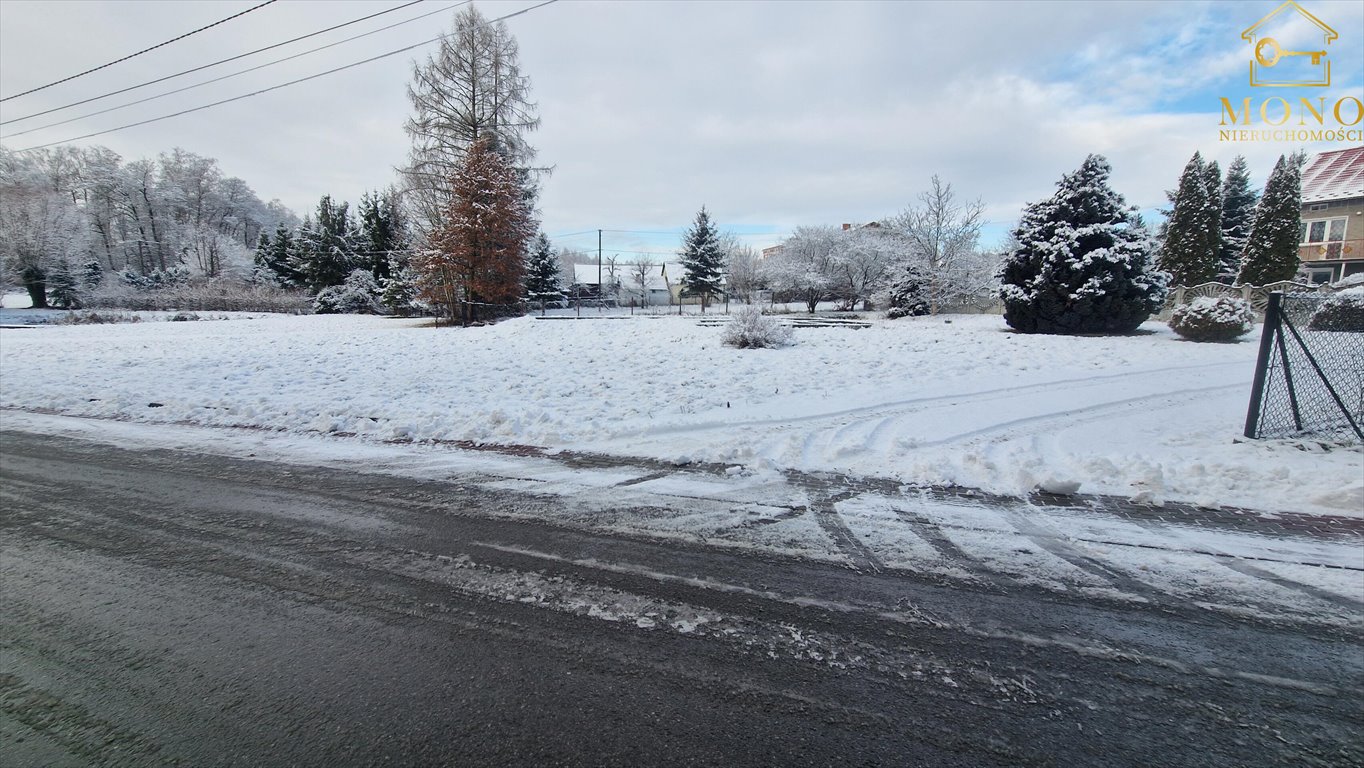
(599, 265)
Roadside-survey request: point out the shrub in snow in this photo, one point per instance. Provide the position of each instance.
(1342, 312)
(906, 295)
(359, 295)
(95, 318)
(751, 329)
(1082, 263)
(1213, 319)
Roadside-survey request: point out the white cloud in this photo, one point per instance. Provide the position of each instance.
(770, 113)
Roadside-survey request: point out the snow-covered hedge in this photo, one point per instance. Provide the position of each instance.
(1342, 312)
(196, 296)
(1213, 319)
(751, 329)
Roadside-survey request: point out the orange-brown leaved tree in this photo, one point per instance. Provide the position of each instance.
(478, 260)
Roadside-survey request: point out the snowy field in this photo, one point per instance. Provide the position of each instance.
(927, 400)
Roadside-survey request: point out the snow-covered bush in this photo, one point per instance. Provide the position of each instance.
(749, 328)
(905, 297)
(1342, 312)
(359, 295)
(1082, 261)
(1208, 318)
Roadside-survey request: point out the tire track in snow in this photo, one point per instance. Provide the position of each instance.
(898, 408)
(1051, 542)
(1088, 413)
(1247, 569)
(822, 508)
(929, 531)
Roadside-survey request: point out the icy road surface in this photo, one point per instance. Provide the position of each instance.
(266, 598)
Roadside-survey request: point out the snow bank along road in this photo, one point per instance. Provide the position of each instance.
(924, 400)
(390, 603)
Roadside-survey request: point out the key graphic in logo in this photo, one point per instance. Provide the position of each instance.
(1273, 65)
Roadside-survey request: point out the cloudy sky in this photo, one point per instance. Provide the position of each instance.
(772, 114)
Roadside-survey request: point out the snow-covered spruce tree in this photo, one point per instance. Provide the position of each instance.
(399, 294)
(63, 287)
(1192, 235)
(542, 274)
(477, 262)
(92, 273)
(326, 253)
(471, 90)
(1238, 213)
(277, 259)
(906, 296)
(1082, 262)
(1271, 251)
(383, 231)
(702, 258)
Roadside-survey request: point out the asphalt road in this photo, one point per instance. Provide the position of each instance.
(162, 607)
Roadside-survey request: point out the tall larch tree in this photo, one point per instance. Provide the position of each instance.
(1193, 231)
(1238, 213)
(1271, 251)
(703, 259)
(476, 264)
(1082, 263)
(470, 90)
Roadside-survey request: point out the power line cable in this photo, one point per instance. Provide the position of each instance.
(234, 74)
(139, 53)
(281, 85)
(214, 64)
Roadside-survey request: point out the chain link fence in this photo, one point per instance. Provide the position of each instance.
(1309, 380)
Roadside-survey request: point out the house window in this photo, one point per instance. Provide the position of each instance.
(1328, 234)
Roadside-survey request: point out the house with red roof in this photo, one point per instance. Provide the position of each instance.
(1331, 237)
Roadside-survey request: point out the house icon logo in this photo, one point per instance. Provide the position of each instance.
(1272, 64)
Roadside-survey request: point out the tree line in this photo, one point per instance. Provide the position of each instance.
(77, 214)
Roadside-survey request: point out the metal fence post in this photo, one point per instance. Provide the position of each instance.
(1268, 335)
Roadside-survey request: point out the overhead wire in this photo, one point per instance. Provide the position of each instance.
(213, 64)
(281, 85)
(139, 53)
(232, 75)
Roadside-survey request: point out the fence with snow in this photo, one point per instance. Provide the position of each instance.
(1309, 379)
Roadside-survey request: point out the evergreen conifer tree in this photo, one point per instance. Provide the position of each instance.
(1192, 231)
(91, 274)
(1082, 263)
(63, 288)
(1271, 251)
(383, 231)
(328, 246)
(542, 273)
(1238, 213)
(703, 258)
(399, 289)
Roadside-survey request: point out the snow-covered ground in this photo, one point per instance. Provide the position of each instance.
(927, 400)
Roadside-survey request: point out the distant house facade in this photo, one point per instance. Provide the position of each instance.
(1331, 235)
(661, 286)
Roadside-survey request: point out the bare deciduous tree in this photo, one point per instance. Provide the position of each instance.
(942, 235)
(472, 89)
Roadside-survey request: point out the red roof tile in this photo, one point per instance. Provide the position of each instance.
(1336, 175)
